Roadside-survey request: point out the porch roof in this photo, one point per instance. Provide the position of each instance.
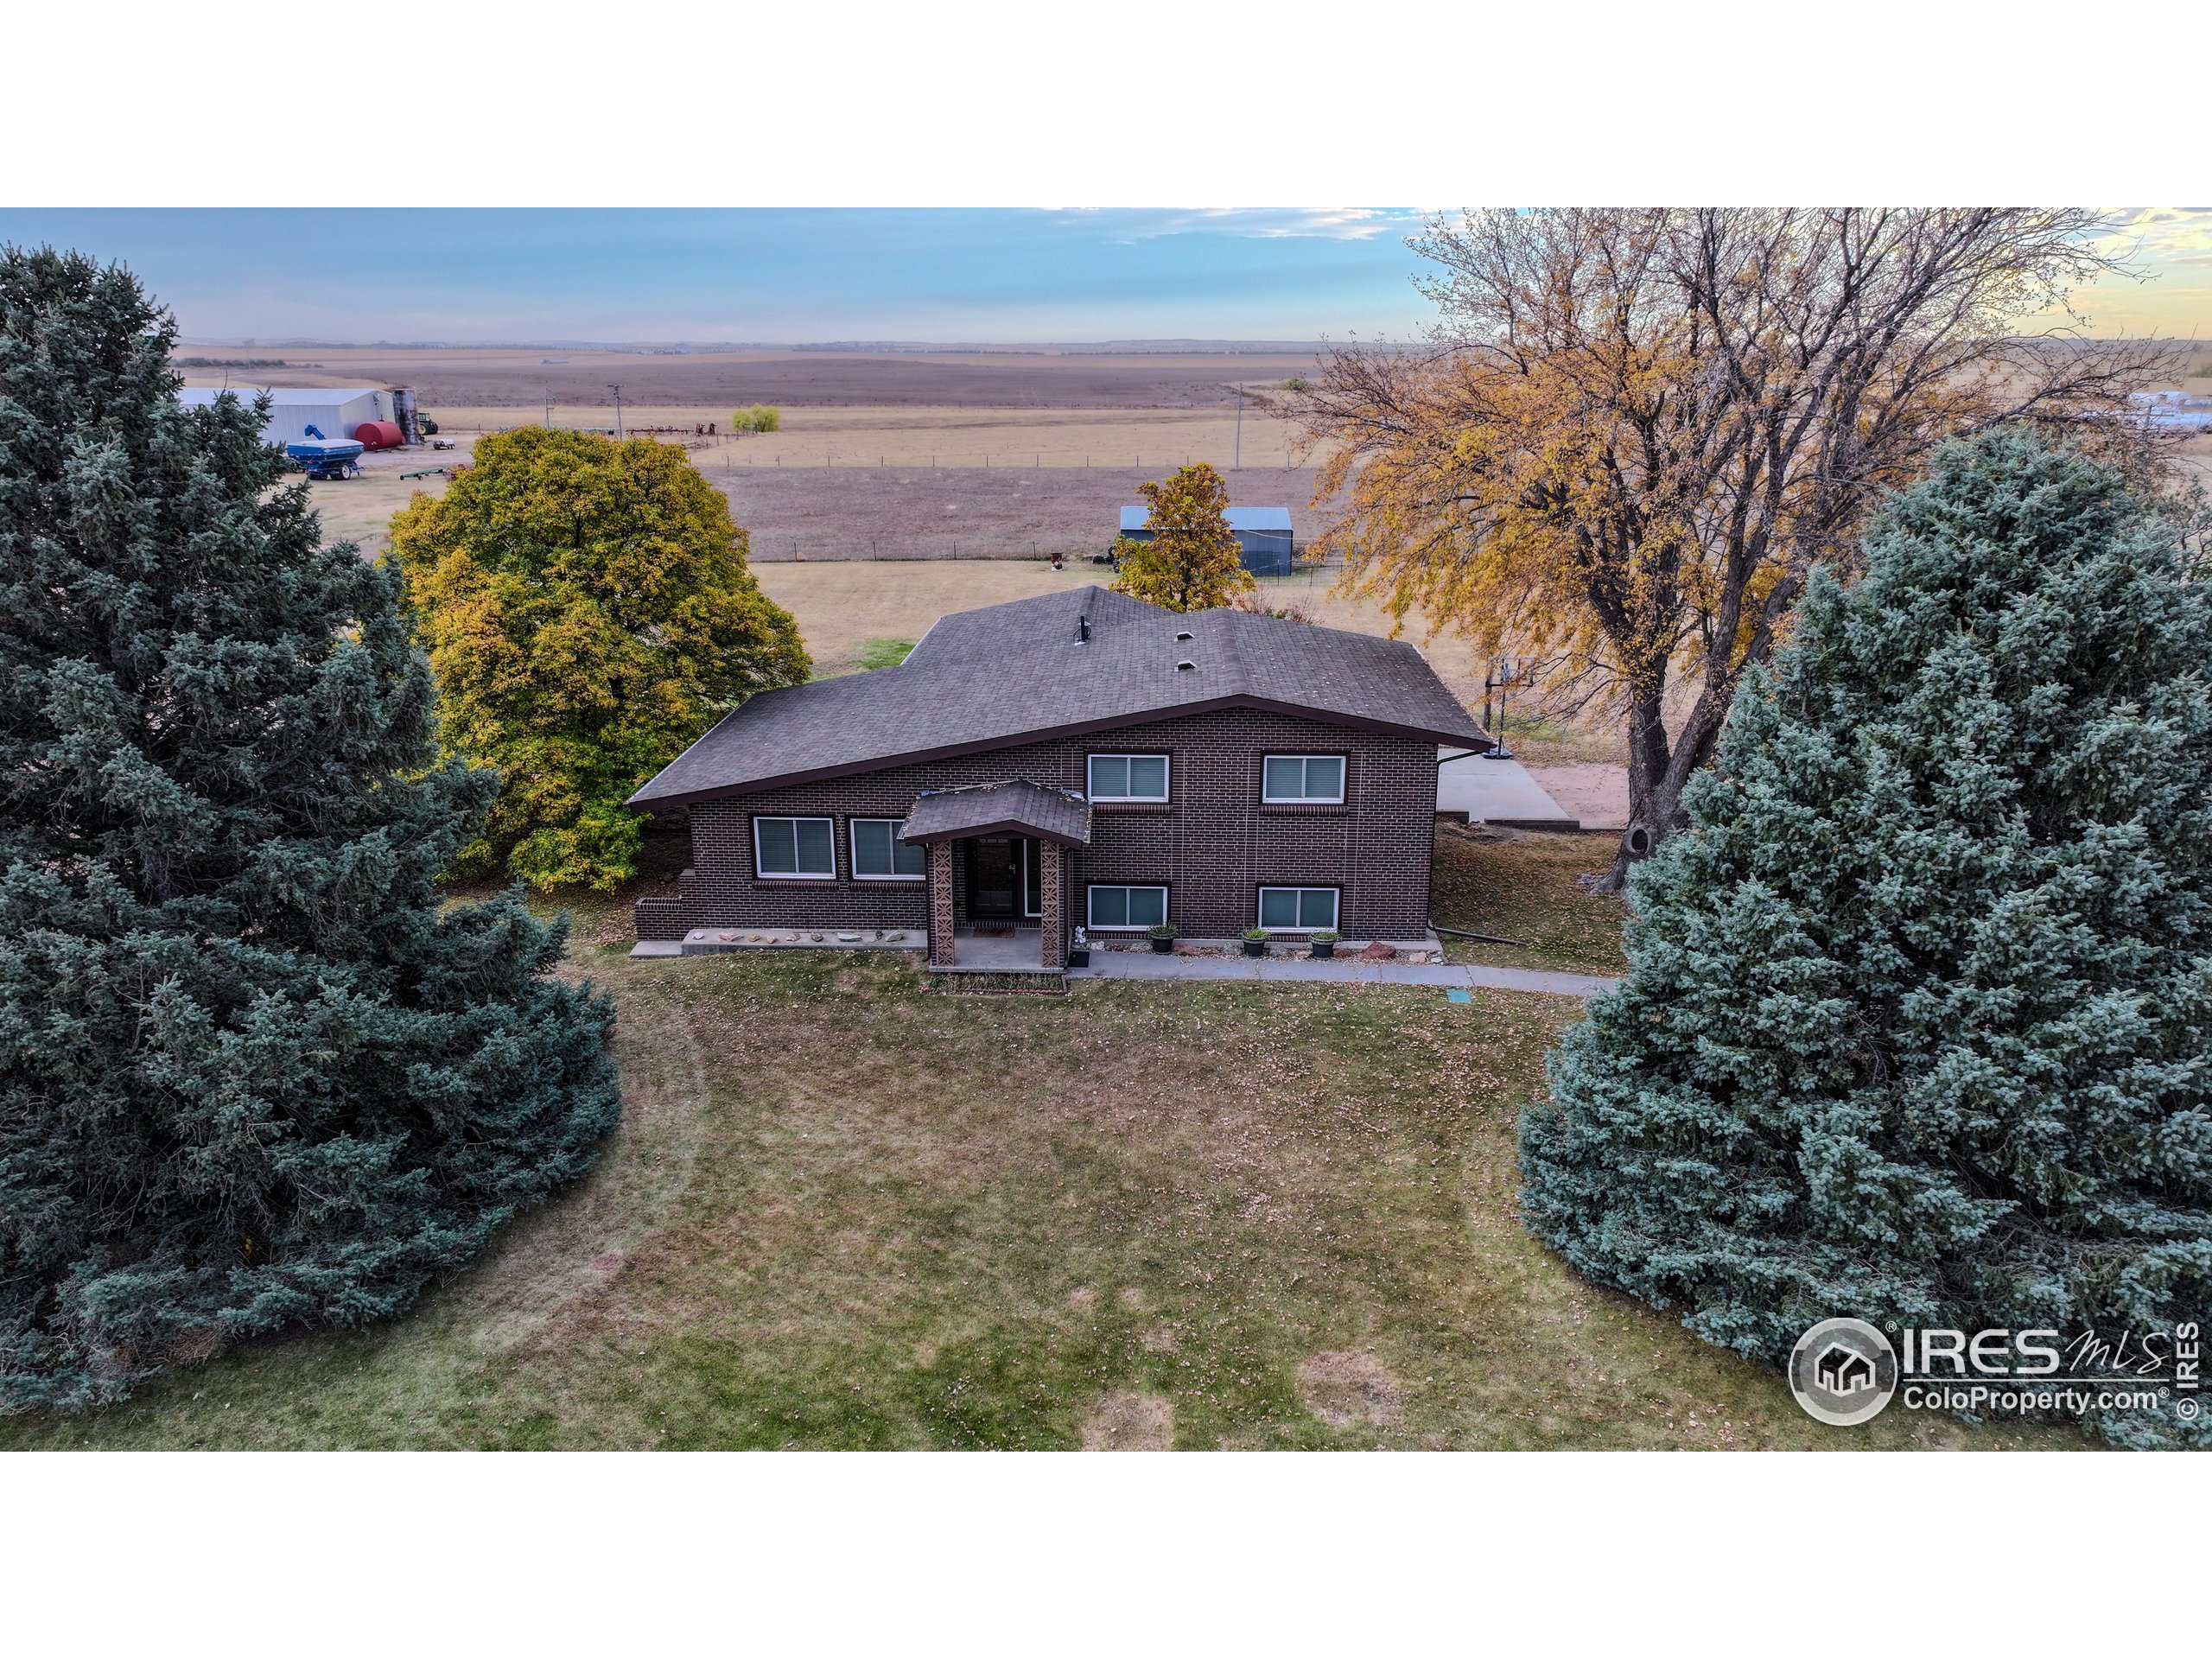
(1014, 806)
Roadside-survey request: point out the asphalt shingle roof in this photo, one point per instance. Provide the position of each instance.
(947, 814)
(1012, 673)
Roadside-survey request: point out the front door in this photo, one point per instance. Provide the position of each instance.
(994, 878)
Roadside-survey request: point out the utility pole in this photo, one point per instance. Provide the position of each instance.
(1500, 679)
(1237, 464)
(549, 409)
(617, 390)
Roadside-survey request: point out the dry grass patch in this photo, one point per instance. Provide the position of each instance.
(1131, 1423)
(1348, 1390)
(1528, 886)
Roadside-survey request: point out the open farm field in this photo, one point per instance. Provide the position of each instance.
(842, 606)
(909, 512)
(863, 436)
(865, 552)
(523, 376)
(898, 510)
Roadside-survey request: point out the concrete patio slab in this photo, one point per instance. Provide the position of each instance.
(1483, 790)
(1596, 792)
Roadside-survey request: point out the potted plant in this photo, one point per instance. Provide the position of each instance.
(1162, 935)
(1323, 943)
(1256, 941)
(1079, 952)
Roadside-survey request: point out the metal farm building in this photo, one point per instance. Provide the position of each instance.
(332, 411)
(1263, 533)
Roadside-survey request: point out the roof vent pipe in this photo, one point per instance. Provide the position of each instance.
(1082, 629)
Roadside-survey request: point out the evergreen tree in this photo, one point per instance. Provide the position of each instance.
(1192, 562)
(588, 613)
(252, 1074)
(1915, 1027)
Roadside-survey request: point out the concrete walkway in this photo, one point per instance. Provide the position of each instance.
(1495, 791)
(1301, 970)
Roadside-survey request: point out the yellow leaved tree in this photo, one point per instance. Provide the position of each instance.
(1636, 432)
(1192, 562)
(587, 613)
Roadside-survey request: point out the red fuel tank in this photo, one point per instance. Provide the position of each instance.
(378, 434)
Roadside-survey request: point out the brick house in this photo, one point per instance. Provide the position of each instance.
(1082, 759)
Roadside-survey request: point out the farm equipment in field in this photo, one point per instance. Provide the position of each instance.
(326, 459)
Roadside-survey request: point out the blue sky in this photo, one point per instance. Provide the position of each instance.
(780, 275)
(768, 275)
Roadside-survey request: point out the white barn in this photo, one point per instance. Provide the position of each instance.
(332, 411)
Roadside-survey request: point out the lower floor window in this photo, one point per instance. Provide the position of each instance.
(1112, 907)
(1298, 910)
(793, 846)
(880, 855)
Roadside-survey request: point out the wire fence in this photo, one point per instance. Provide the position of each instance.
(723, 451)
(1089, 555)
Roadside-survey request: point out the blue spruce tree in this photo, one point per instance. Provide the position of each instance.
(252, 1074)
(1917, 1020)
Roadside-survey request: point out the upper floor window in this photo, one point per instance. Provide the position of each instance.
(1128, 778)
(793, 848)
(1304, 779)
(880, 855)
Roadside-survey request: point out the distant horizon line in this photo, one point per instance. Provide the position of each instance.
(684, 347)
(1160, 346)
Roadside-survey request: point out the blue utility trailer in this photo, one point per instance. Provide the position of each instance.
(326, 458)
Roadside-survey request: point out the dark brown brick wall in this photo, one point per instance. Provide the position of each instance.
(1214, 843)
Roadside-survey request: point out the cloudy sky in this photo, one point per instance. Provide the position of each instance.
(775, 275)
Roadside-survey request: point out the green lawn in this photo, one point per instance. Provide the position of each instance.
(845, 1211)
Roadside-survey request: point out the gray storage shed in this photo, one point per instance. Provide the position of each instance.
(1263, 533)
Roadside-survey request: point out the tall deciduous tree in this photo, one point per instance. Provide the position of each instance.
(588, 613)
(1637, 432)
(252, 1071)
(1192, 562)
(1914, 1024)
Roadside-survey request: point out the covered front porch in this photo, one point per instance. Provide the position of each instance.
(997, 875)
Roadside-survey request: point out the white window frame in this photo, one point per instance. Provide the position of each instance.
(1167, 781)
(1260, 909)
(853, 848)
(1159, 887)
(1344, 767)
(759, 875)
